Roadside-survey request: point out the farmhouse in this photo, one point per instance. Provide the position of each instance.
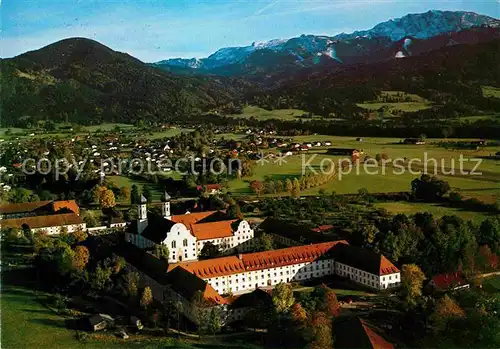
(211, 189)
(417, 141)
(185, 235)
(355, 154)
(449, 282)
(285, 233)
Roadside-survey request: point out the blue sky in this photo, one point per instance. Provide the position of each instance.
(154, 30)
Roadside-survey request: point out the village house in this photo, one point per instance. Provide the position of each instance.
(355, 154)
(449, 282)
(185, 235)
(416, 141)
(211, 189)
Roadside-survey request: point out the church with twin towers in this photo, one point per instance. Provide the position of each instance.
(185, 235)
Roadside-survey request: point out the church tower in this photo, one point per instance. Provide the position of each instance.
(165, 207)
(142, 214)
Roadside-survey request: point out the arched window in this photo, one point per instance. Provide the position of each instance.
(173, 244)
(185, 242)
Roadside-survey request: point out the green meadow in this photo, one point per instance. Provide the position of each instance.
(263, 114)
(487, 184)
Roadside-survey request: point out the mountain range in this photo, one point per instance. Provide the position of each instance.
(308, 50)
(80, 80)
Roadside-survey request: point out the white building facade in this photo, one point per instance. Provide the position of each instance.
(186, 235)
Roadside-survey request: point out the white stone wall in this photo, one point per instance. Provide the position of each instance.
(390, 281)
(241, 241)
(248, 281)
(367, 279)
(57, 229)
(181, 244)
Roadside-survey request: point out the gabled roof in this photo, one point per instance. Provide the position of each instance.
(143, 261)
(67, 204)
(187, 285)
(191, 218)
(287, 229)
(34, 222)
(358, 334)
(213, 230)
(447, 280)
(157, 229)
(229, 265)
(23, 207)
(366, 260)
(253, 299)
(322, 228)
(209, 187)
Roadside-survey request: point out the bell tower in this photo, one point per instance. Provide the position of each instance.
(165, 207)
(142, 214)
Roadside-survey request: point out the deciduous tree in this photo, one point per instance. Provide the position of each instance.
(296, 188)
(446, 311)
(412, 281)
(257, 187)
(80, 257)
(131, 283)
(107, 199)
(283, 298)
(146, 298)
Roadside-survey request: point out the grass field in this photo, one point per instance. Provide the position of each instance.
(487, 184)
(263, 114)
(13, 131)
(492, 284)
(490, 91)
(28, 324)
(108, 127)
(435, 209)
(410, 102)
(403, 106)
(166, 133)
(156, 190)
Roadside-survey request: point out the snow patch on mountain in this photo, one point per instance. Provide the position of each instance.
(419, 26)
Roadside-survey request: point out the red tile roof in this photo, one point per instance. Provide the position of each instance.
(386, 266)
(209, 187)
(256, 261)
(355, 333)
(322, 228)
(69, 204)
(191, 218)
(447, 280)
(212, 230)
(43, 221)
(22, 207)
(365, 259)
(376, 340)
